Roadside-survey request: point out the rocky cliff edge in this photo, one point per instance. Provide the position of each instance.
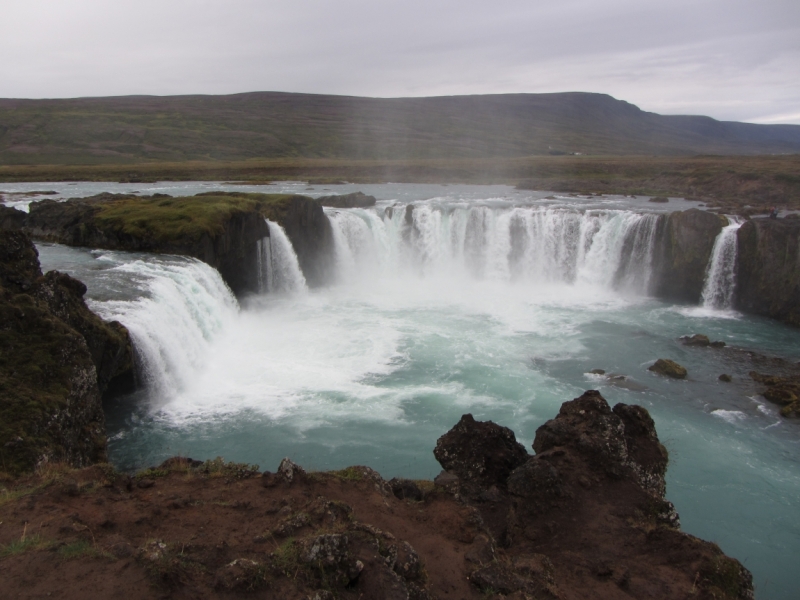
(56, 360)
(219, 228)
(585, 517)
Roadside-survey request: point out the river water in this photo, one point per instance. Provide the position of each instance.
(479, 299)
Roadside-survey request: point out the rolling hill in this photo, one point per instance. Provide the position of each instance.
(139, 129)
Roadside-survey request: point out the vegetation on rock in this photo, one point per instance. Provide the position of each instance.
(219, 228)
(50, 397)
(668, 368)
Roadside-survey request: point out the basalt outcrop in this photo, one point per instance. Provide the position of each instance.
(221, 229)
(668, 368)
(585, 517)
(768, 269)
(56, 360)
(354, 200)
(683, 246)
(311, 235)
(783, 390)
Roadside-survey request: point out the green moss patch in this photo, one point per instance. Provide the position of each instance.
(163, 220)
(39, 357)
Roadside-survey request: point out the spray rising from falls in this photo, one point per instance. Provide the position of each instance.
(612, 249)
(720, 281)
(180, 306)
(278, 267)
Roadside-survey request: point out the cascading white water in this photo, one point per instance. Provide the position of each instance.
(184, 304)
(537, 245)
(720, 281)
(445, 313)
(278, 267)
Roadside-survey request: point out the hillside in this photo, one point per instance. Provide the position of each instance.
(274, 125)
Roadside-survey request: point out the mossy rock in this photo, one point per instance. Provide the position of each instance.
(668, 368)
(52, 348)
(697, 339)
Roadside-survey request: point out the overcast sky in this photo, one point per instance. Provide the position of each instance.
(730, 59)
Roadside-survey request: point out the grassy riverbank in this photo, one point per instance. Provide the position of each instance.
(726, 180)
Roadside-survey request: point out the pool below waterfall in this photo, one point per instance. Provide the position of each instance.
(496, 302)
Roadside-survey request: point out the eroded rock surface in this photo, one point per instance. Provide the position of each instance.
(354, 200)
(768, 269)
(585, 517)
(586, 510)
(683, 247)
(781, 390)
(56, 358)
(668, 368)
(480, 453)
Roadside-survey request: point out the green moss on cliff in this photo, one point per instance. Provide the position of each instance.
(168, 219)
(50, 408)
(42, 360)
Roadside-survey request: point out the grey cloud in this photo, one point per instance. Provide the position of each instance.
(731, 59)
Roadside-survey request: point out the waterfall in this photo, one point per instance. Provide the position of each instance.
(720, 280)
(278, 267)
(181, 306)
(612, 249)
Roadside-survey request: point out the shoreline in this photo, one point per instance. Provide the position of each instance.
(730, 182)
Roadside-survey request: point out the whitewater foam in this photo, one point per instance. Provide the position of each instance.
(184, 305)
(435, 240)
(278, 267)
(720, 278)
(731, 416)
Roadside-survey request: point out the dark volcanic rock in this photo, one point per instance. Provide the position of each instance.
(668, 368)
(768, 269)
(683, 246)
(590, 506)
(52, 349)
(405, 489)
(354, 200)
(19, 263)
(229, 244)
(537, 481)
(622, 442)
(781, 390)
(311, 235)
(108, 342)
(647, 457)
(482, 453)
(11, 219)
(697, 339)
(231, 249)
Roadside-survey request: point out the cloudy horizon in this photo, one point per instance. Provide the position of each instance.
(728, 59)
